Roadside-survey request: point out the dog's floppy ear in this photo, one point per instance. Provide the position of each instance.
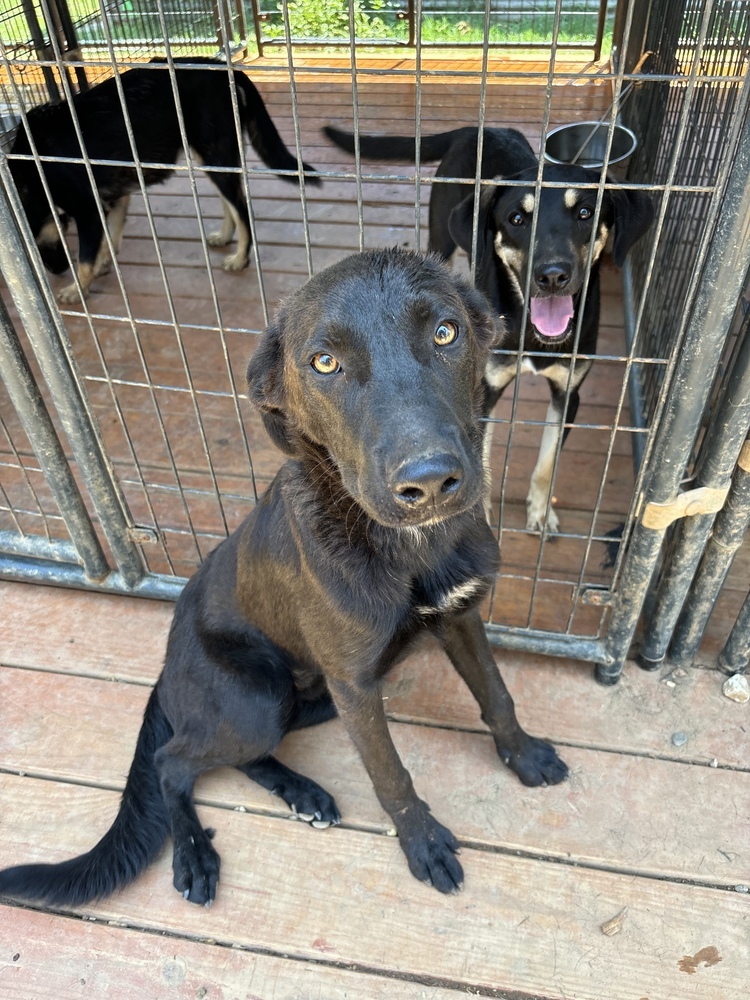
(461, 224)
(265, 383)
(634, 213)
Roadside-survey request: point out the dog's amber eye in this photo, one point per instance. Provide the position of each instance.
(326, 364)
(517, 219)
(446, 334)
(584, 212)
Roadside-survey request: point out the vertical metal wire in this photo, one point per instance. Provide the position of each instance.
(297, 140)
(527, 289)
(418, 127)
(25, 475)
(355, 113)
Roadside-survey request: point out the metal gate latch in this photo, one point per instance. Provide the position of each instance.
(702, 500)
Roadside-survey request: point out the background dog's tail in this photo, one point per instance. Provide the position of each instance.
(264, 137)
(132, 842)
(393, 147)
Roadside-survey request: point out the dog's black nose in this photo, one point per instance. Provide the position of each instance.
(430, 480)
(552, 277)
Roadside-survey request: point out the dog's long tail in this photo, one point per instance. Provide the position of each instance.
(395, 147)
(263, 134)
(132, 842)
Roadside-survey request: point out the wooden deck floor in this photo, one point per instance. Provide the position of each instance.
(641, 824)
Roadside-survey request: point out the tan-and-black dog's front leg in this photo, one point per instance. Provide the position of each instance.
(430, 848)
(90, 236)
(534, 761)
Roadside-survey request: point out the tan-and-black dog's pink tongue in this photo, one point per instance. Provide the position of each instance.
(551, 315)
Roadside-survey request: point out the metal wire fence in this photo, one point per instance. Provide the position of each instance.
(158, 350)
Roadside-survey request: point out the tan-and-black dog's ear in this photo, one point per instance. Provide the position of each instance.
(265, 384)
(461, 224)
(634, 213)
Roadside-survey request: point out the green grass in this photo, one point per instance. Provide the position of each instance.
(14, 29)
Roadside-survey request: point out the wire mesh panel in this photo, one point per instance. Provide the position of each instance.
(688, 118)
(161, 342)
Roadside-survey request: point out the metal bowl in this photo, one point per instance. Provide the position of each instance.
(564, 142)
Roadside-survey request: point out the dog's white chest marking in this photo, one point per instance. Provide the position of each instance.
(499, 376)
(452, 598)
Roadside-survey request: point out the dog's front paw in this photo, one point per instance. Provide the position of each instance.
(196, 869)
(430, 848)
(235, 262)
(535, 763)
(536, 509)
(218, 239)
(68, 295)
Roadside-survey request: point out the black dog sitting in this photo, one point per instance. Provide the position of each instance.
(371, 536)
(206, 103)
(564, 234)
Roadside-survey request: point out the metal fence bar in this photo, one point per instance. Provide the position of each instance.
(60, 574)
(735, 656)
(29, 405)
(720, 453)
(47, 336)
(719, 289)
(729, 530)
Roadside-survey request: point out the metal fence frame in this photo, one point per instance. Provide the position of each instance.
(670, 428)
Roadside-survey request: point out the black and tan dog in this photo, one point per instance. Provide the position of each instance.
(558, 263)
(206, 103)
(370, 537)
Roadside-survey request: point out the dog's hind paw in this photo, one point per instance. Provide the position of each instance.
(536, 763)
(196, 869)
(309, 802)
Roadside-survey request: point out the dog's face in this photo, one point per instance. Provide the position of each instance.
(564, 237)
(376, 364)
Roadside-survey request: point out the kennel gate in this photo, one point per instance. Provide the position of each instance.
(109, 504)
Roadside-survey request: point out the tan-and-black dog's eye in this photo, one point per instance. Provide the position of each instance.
(325, 364)
(446, 333)
(584, 213)
(517, 219)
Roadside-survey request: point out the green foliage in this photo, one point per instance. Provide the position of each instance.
(324, 19)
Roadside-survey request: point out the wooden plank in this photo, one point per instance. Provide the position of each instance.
(606, 814)
(47, 956)
(124, 638)
(346, 896)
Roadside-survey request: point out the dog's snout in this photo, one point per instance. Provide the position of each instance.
(553, 277)
(432, 480)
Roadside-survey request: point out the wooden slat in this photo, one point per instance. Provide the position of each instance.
(346, 896)
(123, 638)
(46, 956)
(457, 773)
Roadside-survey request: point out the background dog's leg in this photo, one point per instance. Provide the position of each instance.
(429, 847)
(233, 200)
(533, 760)
(225, 234)
(541, 477)
(90, 234)
(305, 796)
(115, 223)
